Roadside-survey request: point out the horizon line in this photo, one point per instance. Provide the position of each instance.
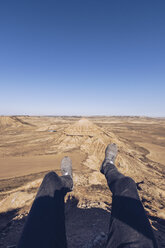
(82, 116)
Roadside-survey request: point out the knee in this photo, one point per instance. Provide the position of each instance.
(50, 184)
(128, 182)
(51, 176)
(52, 180)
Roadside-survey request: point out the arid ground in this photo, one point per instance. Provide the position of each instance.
(32, 146)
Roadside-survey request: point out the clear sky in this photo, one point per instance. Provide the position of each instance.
(82, 57)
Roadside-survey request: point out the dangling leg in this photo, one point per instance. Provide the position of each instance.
(45, 225)
(129, 225)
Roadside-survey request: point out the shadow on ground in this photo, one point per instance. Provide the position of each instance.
(82, 225)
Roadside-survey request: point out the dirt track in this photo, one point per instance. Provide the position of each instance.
(35, 145)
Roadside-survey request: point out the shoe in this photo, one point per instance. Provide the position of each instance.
(66, 167)
(110, 155)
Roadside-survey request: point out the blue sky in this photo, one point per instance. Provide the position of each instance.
(82, 57)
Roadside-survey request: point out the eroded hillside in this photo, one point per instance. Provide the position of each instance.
(31, 146)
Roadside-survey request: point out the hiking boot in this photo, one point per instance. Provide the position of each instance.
(110, 156)
(66, 167)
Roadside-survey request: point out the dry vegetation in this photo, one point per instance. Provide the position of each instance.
(31, 146)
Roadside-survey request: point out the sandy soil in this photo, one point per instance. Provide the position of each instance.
(20, 166)
(32, 146)
(156, 153)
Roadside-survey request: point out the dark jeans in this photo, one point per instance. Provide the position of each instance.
(45, 225)
(129, 225)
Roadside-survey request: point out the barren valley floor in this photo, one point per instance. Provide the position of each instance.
(32, 146)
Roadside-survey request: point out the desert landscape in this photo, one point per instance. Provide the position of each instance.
(32, 146)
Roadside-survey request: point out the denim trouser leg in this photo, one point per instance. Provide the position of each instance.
(45, 225)
(129, 225)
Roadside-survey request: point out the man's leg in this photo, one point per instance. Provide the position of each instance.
(45, 225)
(129, 225)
